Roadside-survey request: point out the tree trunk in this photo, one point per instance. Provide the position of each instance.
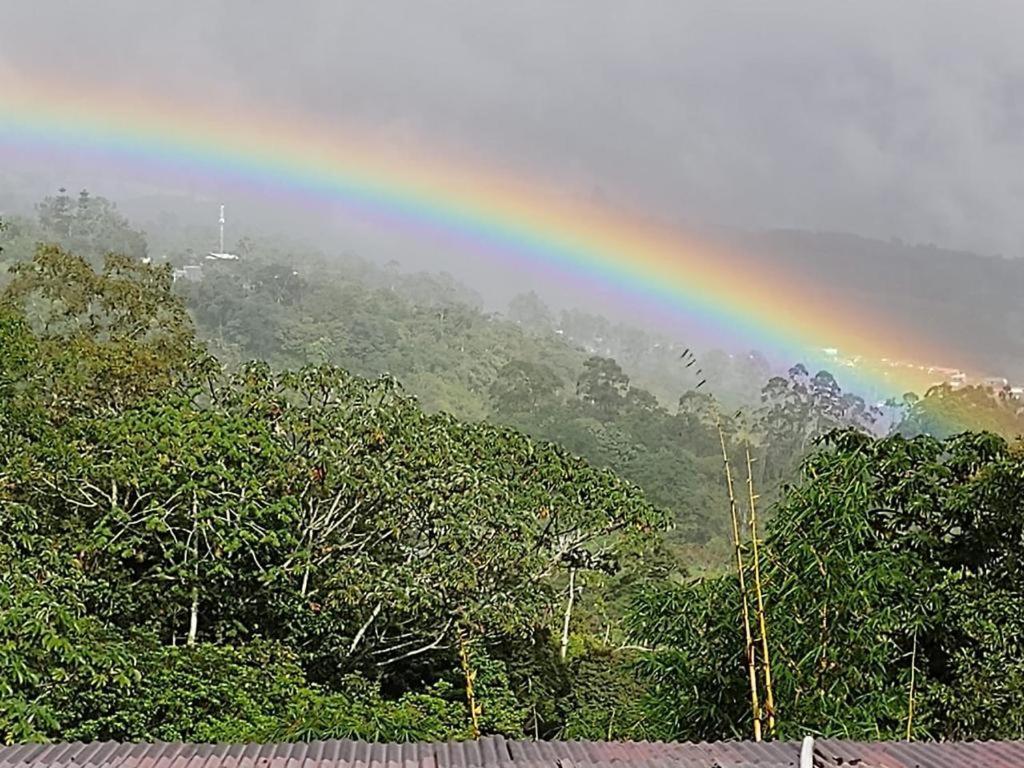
(193, 616)
(193, 619)
(762, 622)
(305, 580)
(751, 654)
(564, 647)
(362, 630)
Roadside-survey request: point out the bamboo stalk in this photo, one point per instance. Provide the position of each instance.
(737, 546)
(470, 675)
(910, 697)
(769, 693)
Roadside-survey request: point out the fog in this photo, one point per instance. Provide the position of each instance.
(899, 122)
(889, 120)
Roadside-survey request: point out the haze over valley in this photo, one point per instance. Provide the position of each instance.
(426, 371)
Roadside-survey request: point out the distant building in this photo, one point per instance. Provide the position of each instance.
(191, 272)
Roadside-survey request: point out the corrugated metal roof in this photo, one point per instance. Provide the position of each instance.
(919, 754)
(490, 752)
(496, 752)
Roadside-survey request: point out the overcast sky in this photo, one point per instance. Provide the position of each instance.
(889, 119)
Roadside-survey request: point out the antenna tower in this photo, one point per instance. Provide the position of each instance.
(221, 230)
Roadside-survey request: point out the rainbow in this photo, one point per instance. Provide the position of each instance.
(494, 213)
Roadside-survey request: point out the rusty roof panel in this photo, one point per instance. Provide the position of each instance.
(490, 752)
(497, 752)
(919, 754)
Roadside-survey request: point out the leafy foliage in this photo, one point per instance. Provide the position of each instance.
(203, 555)
(282, 548)
(891, 554)
(90, 226)
(944, 409)
(103, 338)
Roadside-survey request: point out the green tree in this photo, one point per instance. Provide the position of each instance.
(55, 214)
(798, 409)
(102, 338)
(944, 410)
(530, 313)
(199, 693)
(91, 227)
(603, 386)
(890, 555)
(51, 649)
(314, 509)
(522, 388)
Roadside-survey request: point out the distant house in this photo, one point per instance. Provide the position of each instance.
(191, 272)
(957, 379)
(497, 752)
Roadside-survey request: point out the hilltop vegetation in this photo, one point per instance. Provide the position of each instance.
(163, 514)
(554, 378)
(551, 378)
(969, 301)
(279, 541)
(618, 396)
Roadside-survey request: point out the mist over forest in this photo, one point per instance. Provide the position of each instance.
(921, 288)
(349, 389)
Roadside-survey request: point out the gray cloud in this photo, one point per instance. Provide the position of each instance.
(887, 119)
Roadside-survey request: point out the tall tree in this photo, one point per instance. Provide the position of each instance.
(603, 386)
(103, 338)
(944, 410)
(889, 572)
(530, 313)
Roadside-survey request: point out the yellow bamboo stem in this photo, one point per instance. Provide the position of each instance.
(769, 693)
(910, 697)
(470, 675)
(737, 546)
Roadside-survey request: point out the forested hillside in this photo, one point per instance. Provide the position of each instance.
(268, 555)
(550, 376)
(282, 541)
(970, 301)
(638, 403)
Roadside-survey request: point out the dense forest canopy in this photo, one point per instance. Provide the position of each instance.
(228, 520)
(157, 503)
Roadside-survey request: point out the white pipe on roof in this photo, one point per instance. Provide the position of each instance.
(807, 752)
